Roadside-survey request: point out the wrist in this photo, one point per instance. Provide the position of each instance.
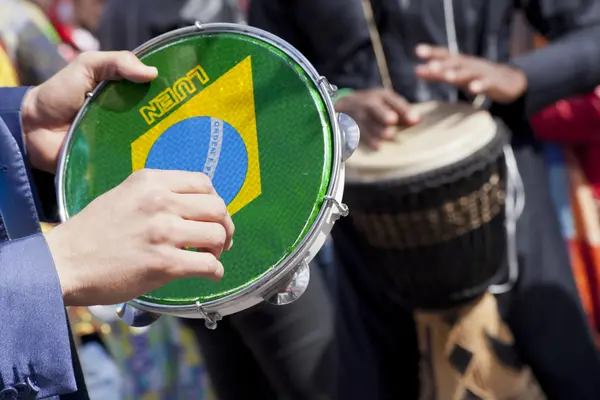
(518, 79)
(28, 112)
(68, 292)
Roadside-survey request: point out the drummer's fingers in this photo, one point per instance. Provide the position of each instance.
(474, 76)
(389, 132)
(191, 264)
(371, 141)
(435, 69)
(382, 113)
(479, 86)
(428, 52)
(402, 107)
(461, 77)
(116, 65)
(204, 208)
(373, 133)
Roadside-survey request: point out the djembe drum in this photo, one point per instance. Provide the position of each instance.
(431, 206)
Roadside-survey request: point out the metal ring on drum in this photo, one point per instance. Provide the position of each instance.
(248, 109)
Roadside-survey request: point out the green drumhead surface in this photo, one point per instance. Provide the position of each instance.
(233, 107)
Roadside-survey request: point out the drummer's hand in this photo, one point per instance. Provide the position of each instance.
(377, 113)
(131, 239)
(501, 83)
(49, 108)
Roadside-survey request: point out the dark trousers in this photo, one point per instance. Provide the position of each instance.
(273, 352)
(376, 338)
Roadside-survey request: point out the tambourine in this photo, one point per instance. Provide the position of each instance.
(247, 109)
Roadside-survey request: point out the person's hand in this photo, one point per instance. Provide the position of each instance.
(132, 239)
(377, 112)
(501, 83)
(49, 109)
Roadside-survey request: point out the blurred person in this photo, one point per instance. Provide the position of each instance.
(266, 352)
(71, 262)
(378, 353)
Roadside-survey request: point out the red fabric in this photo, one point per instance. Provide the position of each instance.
(64, 30)
(572, 121)
(575, 122)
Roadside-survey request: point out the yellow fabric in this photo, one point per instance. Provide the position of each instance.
(8, 75)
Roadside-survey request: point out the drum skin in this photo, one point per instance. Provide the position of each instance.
(231, 106)
(437, 238)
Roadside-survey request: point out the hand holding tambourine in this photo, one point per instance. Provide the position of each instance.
(131, 239)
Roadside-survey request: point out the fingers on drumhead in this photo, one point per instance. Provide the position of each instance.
(210, 236)
(382, 113)
(201, 207)
(176, 181)
(200, 264)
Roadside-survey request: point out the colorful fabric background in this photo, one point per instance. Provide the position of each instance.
(8, 74)
(570, 130)
(580, 221)
(162, 362)
(30, 41)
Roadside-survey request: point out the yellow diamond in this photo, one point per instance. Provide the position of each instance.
(229, 98)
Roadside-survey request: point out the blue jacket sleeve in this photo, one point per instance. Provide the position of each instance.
(10, 112)
(35, 354)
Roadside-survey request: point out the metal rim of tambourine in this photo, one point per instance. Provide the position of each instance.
(288, 280)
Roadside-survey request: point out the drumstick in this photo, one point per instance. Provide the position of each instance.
(382, 64)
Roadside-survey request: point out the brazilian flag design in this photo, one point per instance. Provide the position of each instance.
(232, 107)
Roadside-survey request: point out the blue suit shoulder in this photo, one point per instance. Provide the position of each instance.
(35, 351)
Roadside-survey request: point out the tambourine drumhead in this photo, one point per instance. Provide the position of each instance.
(228, 104)
(448, 132)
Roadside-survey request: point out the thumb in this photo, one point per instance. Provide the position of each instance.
(116, 65)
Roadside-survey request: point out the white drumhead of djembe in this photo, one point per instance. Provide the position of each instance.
(447, 133)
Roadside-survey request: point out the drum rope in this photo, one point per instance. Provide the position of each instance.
(451, 36)
(515, 203)
(480, 99)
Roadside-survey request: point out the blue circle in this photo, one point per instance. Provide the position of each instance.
(203, 144)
